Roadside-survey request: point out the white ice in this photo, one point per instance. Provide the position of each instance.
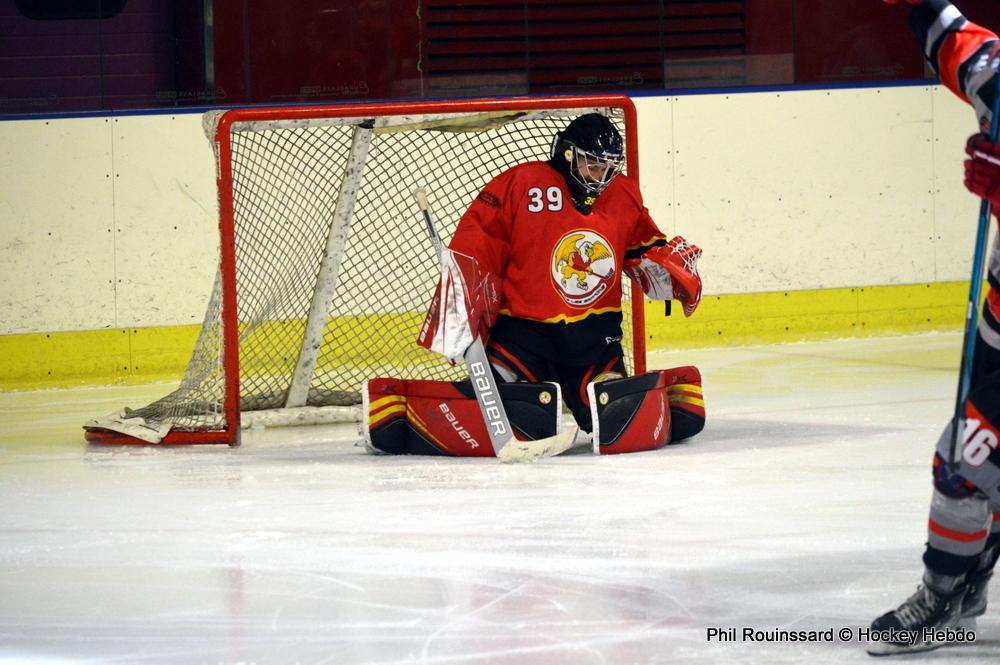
(802, 506)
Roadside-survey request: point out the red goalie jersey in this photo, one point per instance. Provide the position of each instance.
(560, 270)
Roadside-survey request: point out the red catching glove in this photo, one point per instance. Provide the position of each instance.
(669, 272)
(464, 307)
(982, 170)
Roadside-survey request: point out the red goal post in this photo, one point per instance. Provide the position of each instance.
(324, 268)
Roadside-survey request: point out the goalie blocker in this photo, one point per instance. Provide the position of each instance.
(630, 414)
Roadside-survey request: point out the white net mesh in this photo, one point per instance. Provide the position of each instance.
(287, 178)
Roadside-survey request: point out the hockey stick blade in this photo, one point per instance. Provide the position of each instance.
(528, 451)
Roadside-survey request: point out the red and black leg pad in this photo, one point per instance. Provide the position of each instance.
(630, 414)
(646, 412)
(411, 417)
(687, 402)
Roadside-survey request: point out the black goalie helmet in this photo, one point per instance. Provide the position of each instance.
(589, 153)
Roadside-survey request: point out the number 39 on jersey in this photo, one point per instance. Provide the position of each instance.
(551, 198)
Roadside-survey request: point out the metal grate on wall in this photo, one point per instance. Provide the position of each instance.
(504, 47)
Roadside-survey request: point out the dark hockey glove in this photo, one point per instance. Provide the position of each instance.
(982, 169)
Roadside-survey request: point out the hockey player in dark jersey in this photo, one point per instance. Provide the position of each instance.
(963, 539)
(535, 268)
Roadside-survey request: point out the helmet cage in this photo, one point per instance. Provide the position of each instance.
(601, 169)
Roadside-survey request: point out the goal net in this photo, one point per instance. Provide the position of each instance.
(325, 268)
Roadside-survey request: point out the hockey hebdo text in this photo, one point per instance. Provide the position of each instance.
(745, 634)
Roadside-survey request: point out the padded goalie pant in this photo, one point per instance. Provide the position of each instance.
(964, 525)
(513, 363)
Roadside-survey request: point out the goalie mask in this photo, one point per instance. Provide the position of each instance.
(589, 153)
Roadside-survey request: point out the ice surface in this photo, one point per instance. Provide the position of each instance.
(802, 506)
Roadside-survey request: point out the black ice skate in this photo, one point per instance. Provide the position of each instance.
(974, 602)
(977, 587)
(914, 625)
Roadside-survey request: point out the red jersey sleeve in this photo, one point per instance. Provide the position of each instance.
(959, 51)
(645, 233)
(484, 230)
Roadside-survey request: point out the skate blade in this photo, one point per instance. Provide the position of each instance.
(969, 623)
(888, 649)
(527, 451)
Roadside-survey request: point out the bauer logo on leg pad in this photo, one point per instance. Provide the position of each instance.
(456, 425)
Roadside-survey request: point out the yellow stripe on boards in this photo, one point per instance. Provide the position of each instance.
(142, 355)
(792, 316)
(95, 357)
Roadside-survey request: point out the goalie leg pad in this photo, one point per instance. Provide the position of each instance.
(687, 403)
(630, 414)
(411, 417)
(646, 412)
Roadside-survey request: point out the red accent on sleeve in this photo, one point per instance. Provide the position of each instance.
(955, 50)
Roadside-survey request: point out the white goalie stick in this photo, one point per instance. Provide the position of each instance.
(505, 445)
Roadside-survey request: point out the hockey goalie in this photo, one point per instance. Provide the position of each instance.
(534, 270)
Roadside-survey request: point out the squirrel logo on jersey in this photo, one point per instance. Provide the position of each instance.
(583, 267)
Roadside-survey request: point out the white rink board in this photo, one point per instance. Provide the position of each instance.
(57, 243)
(955, 211)
(87, 220)
(784, 191)
(796, 189)
(166, 220)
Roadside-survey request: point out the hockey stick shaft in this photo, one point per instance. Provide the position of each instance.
(505, 446)
(483, 382)
(421, 196)
(972, 306)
